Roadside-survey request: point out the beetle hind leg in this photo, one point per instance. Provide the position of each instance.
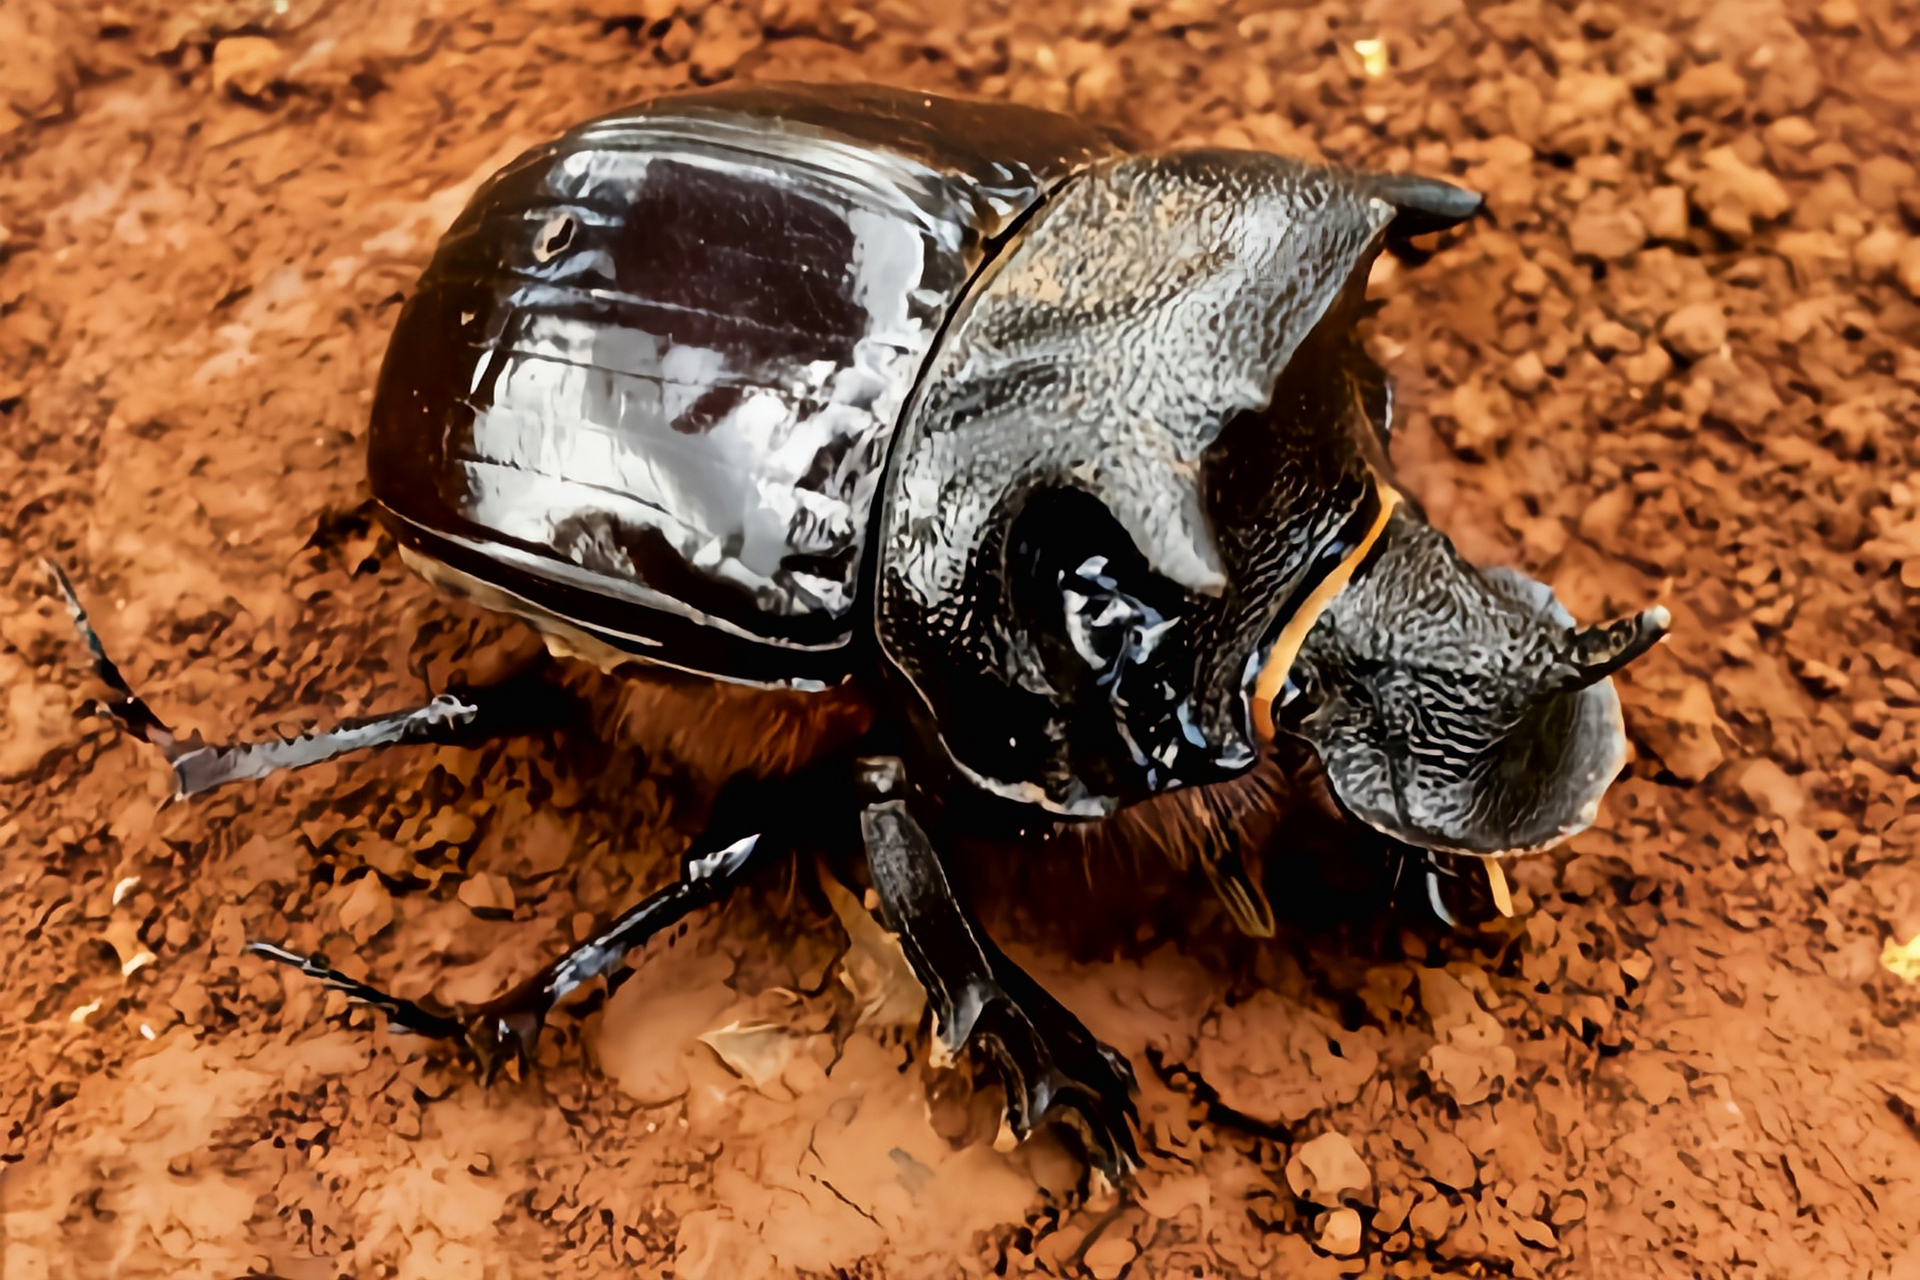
(1053, 1068)
(519, 705)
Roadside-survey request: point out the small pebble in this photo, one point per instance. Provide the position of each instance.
(1839, 15)
(1526, 374)
(1647, 367)
(1327, 1168)
(247, 65)
(1110, 1255)
(1609, 337)
(1906, 268)
(1696, 330)
(1609, 234)
(1340, 1233)
(1710, 87)
(1665, 211)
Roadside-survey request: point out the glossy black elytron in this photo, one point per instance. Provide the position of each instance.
(650, 380)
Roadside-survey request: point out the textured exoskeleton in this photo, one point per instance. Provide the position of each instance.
(1066, 460)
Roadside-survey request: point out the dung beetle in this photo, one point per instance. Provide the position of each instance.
(1064, 461)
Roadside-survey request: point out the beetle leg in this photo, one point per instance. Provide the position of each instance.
(754, 821)
(507, 1028)
(1052, 1066)
(515, 706)
(405, 1015)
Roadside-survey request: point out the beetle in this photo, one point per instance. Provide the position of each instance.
(1060, 460)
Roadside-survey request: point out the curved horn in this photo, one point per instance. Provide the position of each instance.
(1594, 653)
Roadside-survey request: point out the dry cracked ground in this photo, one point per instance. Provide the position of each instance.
(1677, 362)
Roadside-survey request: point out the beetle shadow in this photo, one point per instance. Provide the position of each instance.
(1344, 897)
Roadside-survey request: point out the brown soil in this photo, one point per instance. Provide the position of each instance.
(1678, 363)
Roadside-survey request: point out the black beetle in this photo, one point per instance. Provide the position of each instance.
(1065, 459)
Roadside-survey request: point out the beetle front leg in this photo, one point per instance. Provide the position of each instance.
(1053, 1067)
(519, 705)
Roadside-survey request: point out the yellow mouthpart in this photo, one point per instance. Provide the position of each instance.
(1497, 881)
(1273, 672)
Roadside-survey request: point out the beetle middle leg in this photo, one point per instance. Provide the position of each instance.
(508, 1027)
(1052, 1066)
(523, 704)
(754, 822)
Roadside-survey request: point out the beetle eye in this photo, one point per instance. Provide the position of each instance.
(554, 237)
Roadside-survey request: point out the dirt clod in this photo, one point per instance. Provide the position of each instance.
(246, 65)
(1696, 330)
(1906, 267)
(1325, 1169)
(1340, 1232)
(1109, 1256)
(1609, 234)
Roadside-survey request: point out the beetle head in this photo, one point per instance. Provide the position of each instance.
(1457, 709)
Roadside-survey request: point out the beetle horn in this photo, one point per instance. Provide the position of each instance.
(1596, 652)
(1423, 204)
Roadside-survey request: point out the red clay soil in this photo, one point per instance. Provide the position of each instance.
(1677, 363)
